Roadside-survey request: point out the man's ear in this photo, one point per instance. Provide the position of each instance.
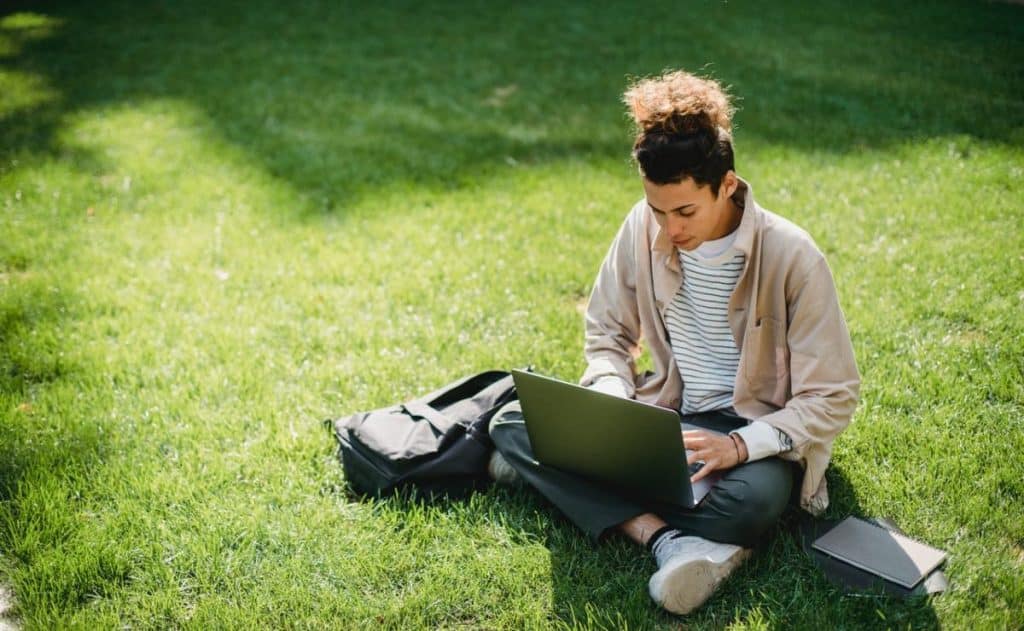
(729, 184)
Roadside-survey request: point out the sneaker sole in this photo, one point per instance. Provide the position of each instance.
(687, 586)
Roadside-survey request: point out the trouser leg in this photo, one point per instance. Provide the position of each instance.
(590, 506)
(739, 509)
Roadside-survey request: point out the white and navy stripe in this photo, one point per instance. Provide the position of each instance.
(698, 327)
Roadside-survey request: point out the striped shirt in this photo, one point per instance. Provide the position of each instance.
(698, 327)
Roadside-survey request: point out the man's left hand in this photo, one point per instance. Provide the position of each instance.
(717, 451)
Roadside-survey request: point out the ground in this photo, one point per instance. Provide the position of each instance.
(223, 223)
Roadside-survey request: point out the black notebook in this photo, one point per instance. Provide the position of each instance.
(892, 556)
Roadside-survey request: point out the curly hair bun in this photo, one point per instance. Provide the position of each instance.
(678, 102)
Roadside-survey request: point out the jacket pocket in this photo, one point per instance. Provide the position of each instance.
(765, 361)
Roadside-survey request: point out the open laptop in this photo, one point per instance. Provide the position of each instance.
(633, 446)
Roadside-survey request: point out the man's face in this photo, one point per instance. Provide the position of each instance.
(691, 214)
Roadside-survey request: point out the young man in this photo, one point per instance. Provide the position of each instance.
(739, 312)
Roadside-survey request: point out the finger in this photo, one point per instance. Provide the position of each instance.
(706, 470)
(694, 439)
(688, 438)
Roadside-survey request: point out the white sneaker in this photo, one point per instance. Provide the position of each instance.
(500, 470)
(691, 571)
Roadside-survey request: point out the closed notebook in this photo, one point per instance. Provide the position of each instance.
(882, 552)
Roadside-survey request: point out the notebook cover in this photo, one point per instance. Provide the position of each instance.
(892, 556)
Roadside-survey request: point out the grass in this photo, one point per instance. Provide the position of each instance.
(223, 222)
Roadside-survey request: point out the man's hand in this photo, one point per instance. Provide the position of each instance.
(718, 451)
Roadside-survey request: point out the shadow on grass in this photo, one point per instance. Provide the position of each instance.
(342, 101)
(781, 585)
(605, 586)
(784, 584)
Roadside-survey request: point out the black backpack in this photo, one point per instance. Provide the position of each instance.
(437, 443)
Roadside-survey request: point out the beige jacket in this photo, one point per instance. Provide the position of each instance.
(796, 371)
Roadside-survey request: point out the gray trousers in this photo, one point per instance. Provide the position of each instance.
(741, 506)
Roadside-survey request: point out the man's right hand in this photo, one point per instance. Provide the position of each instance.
(716, 451)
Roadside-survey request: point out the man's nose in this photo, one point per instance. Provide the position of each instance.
(675, 225)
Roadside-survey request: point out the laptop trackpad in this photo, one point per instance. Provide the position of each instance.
(702, 487)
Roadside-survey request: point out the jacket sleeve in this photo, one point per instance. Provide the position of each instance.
(612, 320)
(823, 372)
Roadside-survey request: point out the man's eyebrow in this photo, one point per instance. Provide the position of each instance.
(658, 210)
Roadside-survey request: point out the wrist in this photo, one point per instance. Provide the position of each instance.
(741, 448)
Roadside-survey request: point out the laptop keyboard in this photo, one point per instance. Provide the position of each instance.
(695, 467)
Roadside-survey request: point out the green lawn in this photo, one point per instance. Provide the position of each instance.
(221, 224)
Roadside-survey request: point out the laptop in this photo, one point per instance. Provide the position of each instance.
(632, 446)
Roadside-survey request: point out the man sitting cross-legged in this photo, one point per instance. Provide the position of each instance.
(739, 312)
